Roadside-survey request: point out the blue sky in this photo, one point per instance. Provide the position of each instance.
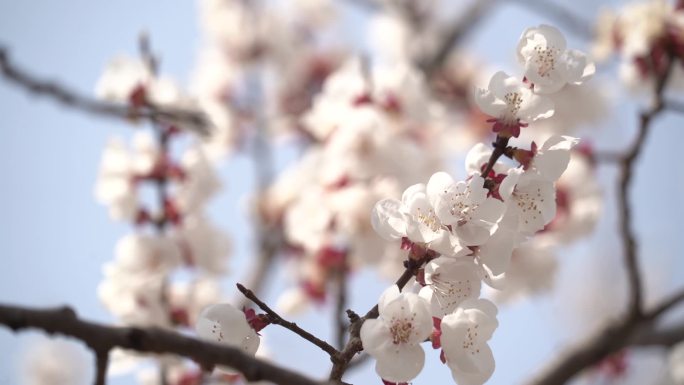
(55, 238)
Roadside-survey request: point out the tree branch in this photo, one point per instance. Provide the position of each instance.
(101, 338)
(187, 119)
(275, 318)
(620, 333)
(341, 324)
(626, 173)
(455, 32)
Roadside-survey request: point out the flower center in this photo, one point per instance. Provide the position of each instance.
(429, 219)
(528, 201)
(545, 59)
(401, 331)
(513, 101)
(469, 342)
(450, 292)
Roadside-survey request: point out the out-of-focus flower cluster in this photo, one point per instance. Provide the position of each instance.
(646, 35)
(162, 190)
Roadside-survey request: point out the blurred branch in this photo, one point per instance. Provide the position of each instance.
(637, 330)
(454, 33)
(101, 339)
(341, 324)
(620, 333)
(101, 364)
(187, 119)
(626, 174)
(276, 319)
(561, 15)
(666, 337)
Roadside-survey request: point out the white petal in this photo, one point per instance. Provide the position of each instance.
(535, 107)
(496, 253)
(472, 234)
(488, 103)
(387, 220)
(576, 67)
(438, 184)
(375, 335)
(491, 210)
(389, 295)
(483, 361)
(400, 364)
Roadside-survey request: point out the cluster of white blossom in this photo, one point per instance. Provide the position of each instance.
(646, 35)
(162, 191)
(372, 135)
(466, 231)
(258, 54)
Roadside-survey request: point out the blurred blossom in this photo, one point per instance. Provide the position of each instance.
(56, 361)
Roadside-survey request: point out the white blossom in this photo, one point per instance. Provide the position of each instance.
(224, 324)
(394, 338)
(511, 103)
(464, 206)
(464, 340)
(548, 64)
(449, 282)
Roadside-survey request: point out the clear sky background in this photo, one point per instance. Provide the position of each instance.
(54, 238)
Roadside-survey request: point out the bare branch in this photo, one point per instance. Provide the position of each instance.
(341, 324)
(275, 318)
(186, 119)
(666, 337)
(666, 305)
(620, 333)
(625, 210)
(101, 363)
(101, 338)
(454, 33)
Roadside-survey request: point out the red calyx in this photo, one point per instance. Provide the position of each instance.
(138, 97)
(436, 336)
(331, 257)
(362, 99)
(256, 321)
(524, 157)
(507, 129)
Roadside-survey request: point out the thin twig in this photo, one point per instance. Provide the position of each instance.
(275, 318)
(667, 304)
(186, 119)
(625, 209)
(455, 32)
(341, 324)
(101, 338)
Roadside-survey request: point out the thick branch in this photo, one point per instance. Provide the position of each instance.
(101, 338)
(275, 318)
(186, 119)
